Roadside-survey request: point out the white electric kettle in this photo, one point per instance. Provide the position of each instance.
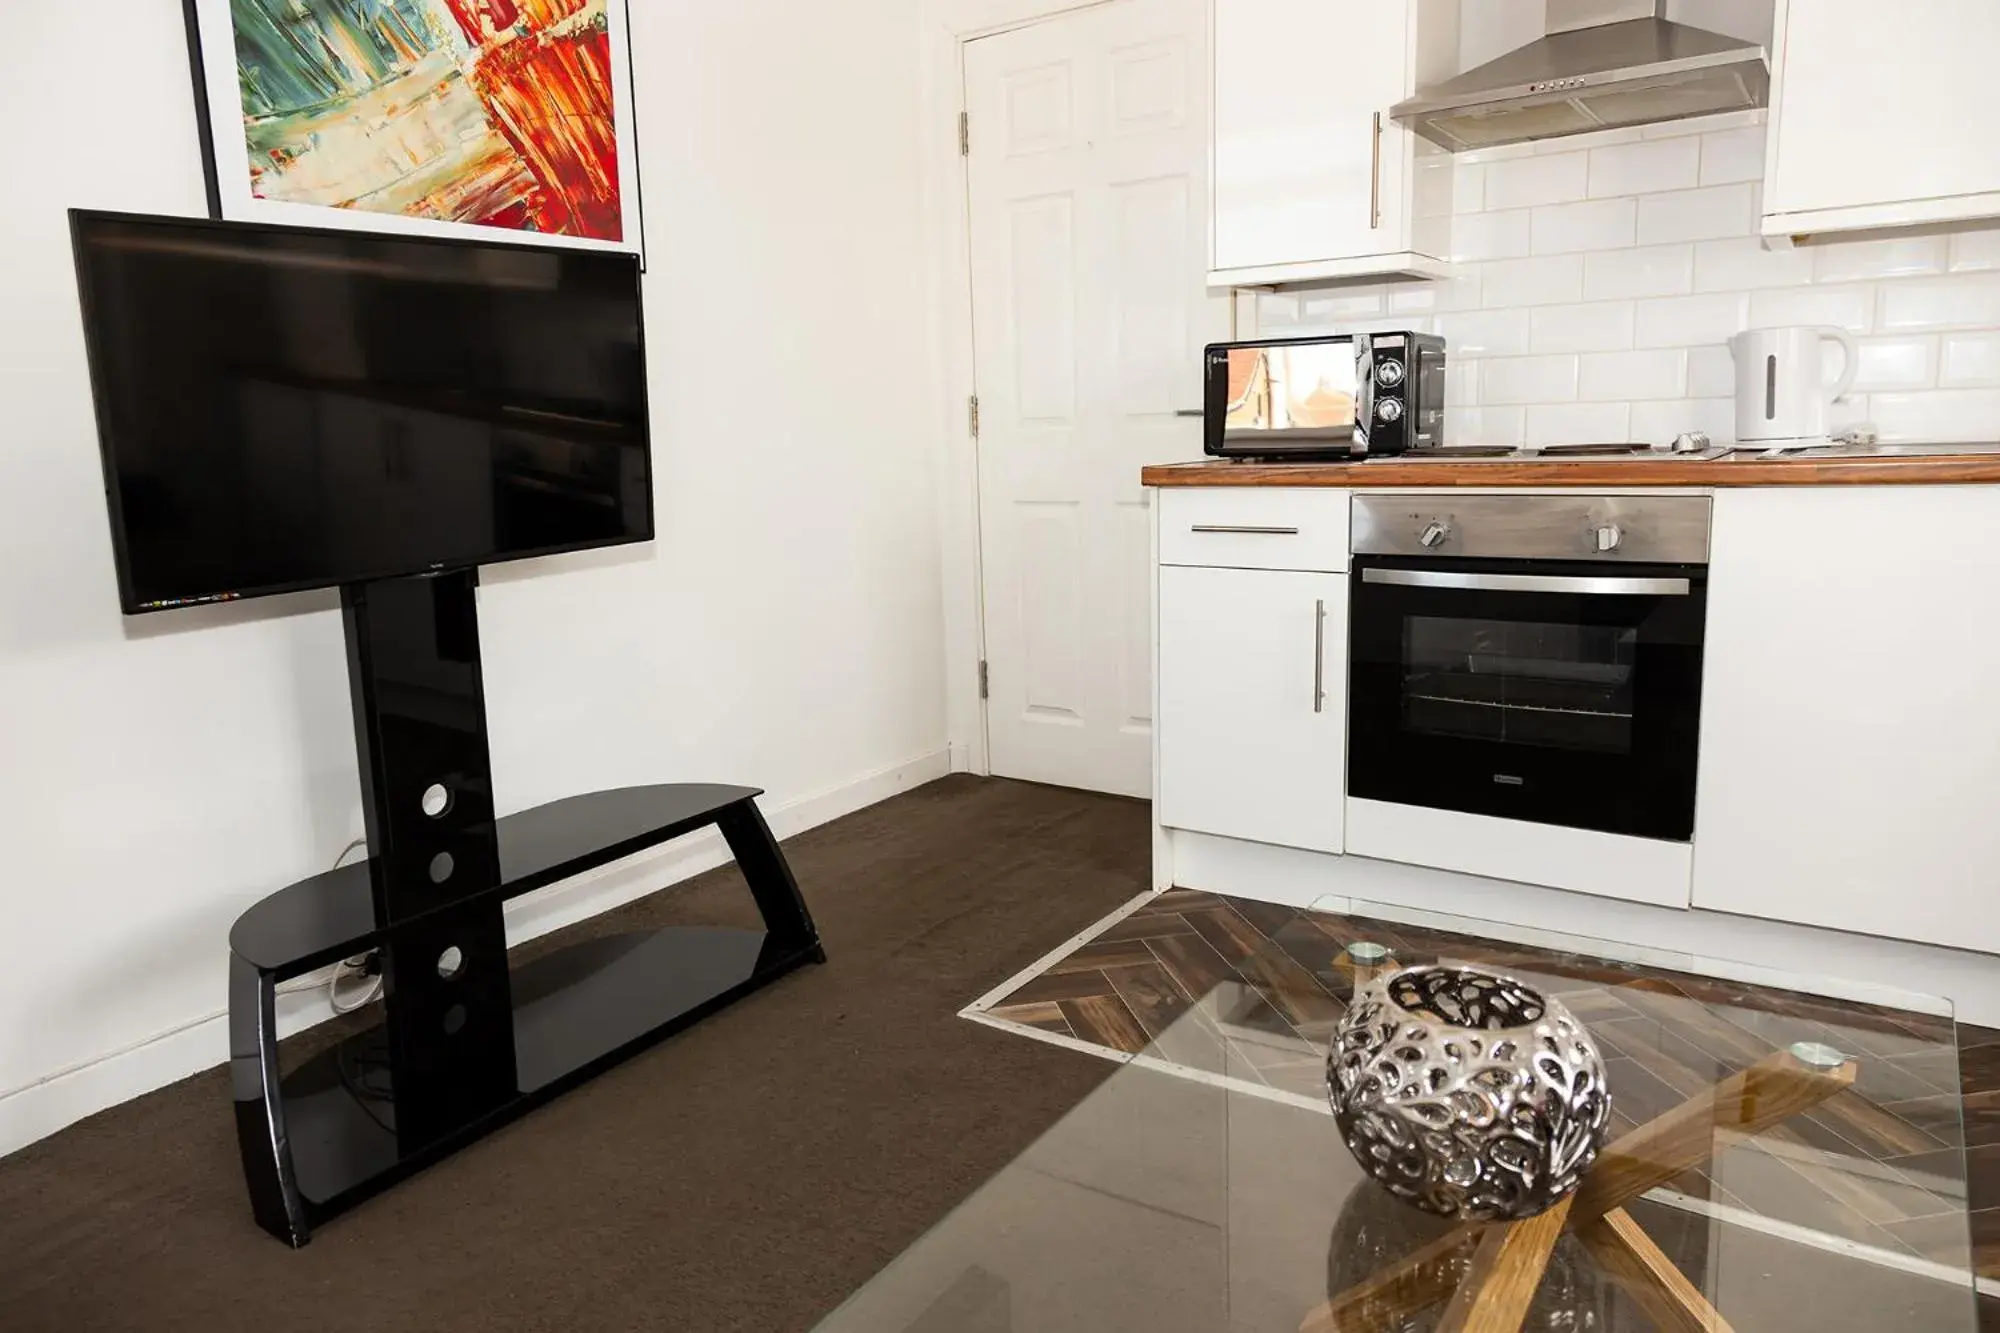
(1781, 389)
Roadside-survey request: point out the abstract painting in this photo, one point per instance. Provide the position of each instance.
(456, 117)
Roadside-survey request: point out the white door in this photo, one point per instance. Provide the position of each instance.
(1253, 704)
(1088, 198)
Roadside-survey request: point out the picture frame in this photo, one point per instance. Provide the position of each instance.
(487, 120)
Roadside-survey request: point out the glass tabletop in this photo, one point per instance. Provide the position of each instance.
(1781, 1152)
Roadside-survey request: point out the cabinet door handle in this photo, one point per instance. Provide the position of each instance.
(1243, 528)
(1375, 178)
(1319, 656)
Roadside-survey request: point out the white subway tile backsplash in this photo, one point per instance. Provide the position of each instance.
(1689, 321)
(1742, 262)
(1321, 307)
(1939, 415)
(1654, 270)
(1639, 168)
(1528, 181)
(1660, 421)
(1596, 224)
(1968, 301)
(1697, 215)
(1733, 155)
(1711, 372)
(1600, 326)
(1579, 423)
(1850, 308)
(1485, 332)
(1461, 383)
(1975, 251)
(1485, 425)
(1897, 363)
(1896, 257)
(1547, 280)
(1970, 360)
(1624, 376)
(1468, 186)
(1527, 379)
(1477, 236)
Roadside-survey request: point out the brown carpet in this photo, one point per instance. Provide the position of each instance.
(747, 1174)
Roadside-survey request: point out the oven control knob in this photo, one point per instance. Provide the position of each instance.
(1609, 536)
(1388, 410)
(1435, 535)
(1389, 374)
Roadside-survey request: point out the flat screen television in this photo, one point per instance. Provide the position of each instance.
(281, 408)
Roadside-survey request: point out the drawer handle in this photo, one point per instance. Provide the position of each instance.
(1319, 656)
(1243, 528)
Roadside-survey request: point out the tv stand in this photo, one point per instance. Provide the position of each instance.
(466, 1042)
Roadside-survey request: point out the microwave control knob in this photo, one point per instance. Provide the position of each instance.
(1435, 535)
(1388, 410)
(1609, 536)
(1389, 374)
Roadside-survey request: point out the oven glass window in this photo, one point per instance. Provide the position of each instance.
(1520, 682)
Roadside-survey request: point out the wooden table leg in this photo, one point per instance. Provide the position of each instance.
(1506, 1273)
(1743, 1105)
(1655, 1283)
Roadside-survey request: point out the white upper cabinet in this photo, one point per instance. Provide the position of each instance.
(1312, 179)
(1882, 115)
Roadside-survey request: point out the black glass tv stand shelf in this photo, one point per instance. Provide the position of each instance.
(466, 1043)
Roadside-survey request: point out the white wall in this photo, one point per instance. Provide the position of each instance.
(159, 775)
(1599, 277)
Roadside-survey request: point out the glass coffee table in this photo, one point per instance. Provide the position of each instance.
(1785, 1151)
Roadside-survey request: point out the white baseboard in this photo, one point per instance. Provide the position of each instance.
(61, 1099)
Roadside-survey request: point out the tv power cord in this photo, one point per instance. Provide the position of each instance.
(342, 992)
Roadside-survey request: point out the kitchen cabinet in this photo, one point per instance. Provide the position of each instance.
(1253, 704)
(1881, 115)
(1850, 740)
(1312, 180)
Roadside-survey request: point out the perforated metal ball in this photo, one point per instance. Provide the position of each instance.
(1467, 1093)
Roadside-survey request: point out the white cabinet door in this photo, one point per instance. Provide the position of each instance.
(1253, 704)
(1850, 738)
(1311, 175)
(1882, 114)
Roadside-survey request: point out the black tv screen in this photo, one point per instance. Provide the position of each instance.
(281, 408)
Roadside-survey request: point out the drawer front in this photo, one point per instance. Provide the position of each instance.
(1254, 527)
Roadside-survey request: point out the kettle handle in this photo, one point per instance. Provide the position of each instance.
(1853, 359)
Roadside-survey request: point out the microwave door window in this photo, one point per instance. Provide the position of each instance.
(1516, 682)
(1301, 393)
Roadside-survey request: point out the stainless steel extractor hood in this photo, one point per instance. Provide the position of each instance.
(1601, 64)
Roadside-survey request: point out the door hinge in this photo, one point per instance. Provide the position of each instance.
(972, 415)
(985, 682)
(965, 134)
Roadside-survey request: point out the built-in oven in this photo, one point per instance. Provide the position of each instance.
(1530, 657)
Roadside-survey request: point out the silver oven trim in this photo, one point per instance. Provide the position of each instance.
(1647, 529)
(1589, 587)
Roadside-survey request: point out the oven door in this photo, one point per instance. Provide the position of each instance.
(1560, 692)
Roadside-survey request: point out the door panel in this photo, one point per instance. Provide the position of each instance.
(1089, 243)
(1244, 752)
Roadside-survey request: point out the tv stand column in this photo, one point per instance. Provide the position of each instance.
(465, 1042)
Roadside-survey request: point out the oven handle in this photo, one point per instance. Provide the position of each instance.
(1588, 586)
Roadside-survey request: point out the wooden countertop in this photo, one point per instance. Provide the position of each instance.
(1906, 470)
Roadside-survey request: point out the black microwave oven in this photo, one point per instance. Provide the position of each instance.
(1340, 396)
